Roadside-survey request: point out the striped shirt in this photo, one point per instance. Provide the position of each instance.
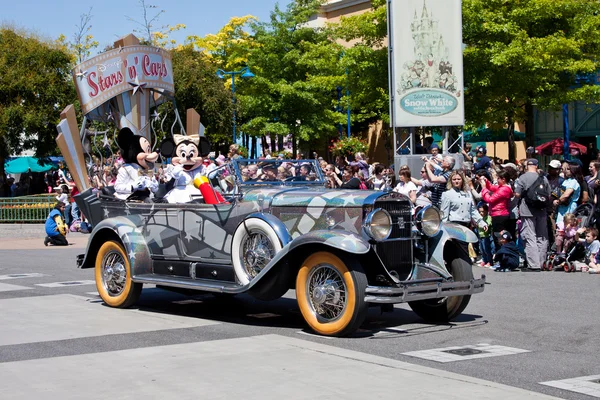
(439, 188)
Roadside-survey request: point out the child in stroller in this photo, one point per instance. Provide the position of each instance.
(570, 248)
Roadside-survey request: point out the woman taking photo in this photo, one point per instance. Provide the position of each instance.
(457, 204)
(498, 199)
(349, 178)
(379, 180)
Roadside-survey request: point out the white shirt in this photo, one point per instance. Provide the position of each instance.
(405, 188)
(126, 178)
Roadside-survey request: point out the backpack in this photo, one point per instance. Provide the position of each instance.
(363, 186)
(536, 195)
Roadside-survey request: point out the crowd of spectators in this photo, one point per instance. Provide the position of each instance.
(492, 198)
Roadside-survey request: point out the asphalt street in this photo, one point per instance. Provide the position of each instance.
(523, 333)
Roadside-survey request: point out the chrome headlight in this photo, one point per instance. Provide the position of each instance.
(429, 221)
(378, 224)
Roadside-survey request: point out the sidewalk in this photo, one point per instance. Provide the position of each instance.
(268, 367)
(31, 236)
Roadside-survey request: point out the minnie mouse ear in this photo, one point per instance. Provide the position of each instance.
(166, 148)
(204, 146)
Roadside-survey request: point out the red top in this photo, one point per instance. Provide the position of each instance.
(498, 198)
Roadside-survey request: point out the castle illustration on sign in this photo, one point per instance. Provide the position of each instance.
(430, 67)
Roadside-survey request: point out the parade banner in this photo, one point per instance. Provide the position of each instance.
(131, 68)
(426, 76)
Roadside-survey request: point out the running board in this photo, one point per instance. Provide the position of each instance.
(196, 284)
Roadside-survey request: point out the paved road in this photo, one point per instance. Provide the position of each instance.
(57, 340)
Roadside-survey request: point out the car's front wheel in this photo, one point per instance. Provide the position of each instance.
(113, 276)
(447, 308)
(331, 294)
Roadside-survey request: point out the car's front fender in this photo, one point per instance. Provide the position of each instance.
(336, 239)
(130, 236)
(448, 231)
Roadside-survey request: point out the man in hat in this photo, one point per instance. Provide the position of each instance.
(482, 161)
(534, 224)
(269, 172)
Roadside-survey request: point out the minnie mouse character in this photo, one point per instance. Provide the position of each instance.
(138, 159)
(186, 153)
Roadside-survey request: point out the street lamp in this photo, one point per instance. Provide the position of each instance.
(244, 73)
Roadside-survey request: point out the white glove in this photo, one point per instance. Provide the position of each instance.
(152, 184)
(173, 172)
(141, 183)
(177, 171)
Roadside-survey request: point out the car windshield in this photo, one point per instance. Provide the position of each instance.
(276, 171)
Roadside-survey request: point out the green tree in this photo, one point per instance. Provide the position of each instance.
(366, 61)
(521, 53)
(297, 70)
(35, 86)
(197, 87)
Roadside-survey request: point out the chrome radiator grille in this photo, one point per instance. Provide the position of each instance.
(397, 255)
(401, 212)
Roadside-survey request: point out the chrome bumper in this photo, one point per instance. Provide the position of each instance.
(423, 289)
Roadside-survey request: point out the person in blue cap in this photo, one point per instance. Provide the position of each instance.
(508, 255)
(483, 161)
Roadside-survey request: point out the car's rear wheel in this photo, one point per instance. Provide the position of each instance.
(113, 276)
(253, 246)
(331, 294)
(447, 308)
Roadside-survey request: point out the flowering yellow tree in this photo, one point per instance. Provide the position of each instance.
(229, 48)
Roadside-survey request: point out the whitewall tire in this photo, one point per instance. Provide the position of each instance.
(253, 246)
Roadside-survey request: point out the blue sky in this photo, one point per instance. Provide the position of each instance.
(50, 18)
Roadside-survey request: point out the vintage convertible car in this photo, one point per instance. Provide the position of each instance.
(278, 228)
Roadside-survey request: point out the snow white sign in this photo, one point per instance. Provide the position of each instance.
(426, 85)
(109, 74)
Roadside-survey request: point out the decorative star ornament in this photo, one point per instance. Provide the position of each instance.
(105, 141)
(349, 199)
(155, 115)
(349, 224)
(89, 165)
(131, 254)
(212, 255)
(137, 85)
(81, 74)
(106, 215)
(109, 117)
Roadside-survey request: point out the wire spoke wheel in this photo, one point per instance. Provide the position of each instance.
(327, 293)
(114, 277)
(114, 273)
(257, 252)
(331, 293)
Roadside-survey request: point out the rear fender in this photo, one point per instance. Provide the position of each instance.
(448, 232)
(125, 232)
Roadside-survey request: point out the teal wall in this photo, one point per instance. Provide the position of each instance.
(584, 124)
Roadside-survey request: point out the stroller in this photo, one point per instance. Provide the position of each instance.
(575, 251)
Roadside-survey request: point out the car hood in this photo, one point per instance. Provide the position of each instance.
(305, 196)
